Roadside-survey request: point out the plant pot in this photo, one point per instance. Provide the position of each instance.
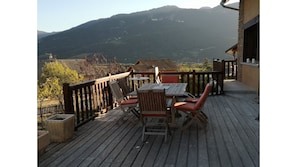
(43, 141)
(60, 127)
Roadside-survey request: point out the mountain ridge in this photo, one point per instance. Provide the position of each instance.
(165, 32)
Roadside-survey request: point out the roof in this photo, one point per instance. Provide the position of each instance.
(150, 64)
(232, 49)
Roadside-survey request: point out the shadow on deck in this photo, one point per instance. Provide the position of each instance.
(231, 138)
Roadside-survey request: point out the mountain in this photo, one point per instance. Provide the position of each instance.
(42, 34)
(184, 35)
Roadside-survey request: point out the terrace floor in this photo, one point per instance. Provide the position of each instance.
(231, 138)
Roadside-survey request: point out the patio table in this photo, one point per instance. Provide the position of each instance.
(138, 80)
(172, 90)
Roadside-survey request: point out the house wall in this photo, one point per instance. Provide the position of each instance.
(247, 73)
(252, 6)
(251, 76)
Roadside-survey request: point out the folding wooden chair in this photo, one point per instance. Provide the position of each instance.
(193, 110)
(153, 112)
(123, 83)
(126, 105)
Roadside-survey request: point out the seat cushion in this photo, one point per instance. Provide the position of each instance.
(185, 106)
(129, 101)
(132, 97)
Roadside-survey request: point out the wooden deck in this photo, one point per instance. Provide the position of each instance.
(231, 138)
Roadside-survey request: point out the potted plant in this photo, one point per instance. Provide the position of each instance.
(43, 141)
(60, 127)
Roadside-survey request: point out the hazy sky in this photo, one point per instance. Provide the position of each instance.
(60, 15)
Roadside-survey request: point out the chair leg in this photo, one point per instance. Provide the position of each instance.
(195, 117)
(143, 133)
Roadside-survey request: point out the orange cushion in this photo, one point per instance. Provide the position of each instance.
(129, 101)
(132, 97)
(185, 106)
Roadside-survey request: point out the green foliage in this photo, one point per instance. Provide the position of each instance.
(205, 66)
(53, 75)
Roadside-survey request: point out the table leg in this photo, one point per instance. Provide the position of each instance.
(173, 113)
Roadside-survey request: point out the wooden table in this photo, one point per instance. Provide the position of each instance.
(138, 80)
(172, 90)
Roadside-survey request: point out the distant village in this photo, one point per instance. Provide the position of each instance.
(96, 66)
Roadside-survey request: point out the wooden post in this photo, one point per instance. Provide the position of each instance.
(68, 101)
(193, 83)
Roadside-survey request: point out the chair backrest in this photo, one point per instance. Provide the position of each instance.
(204, 96)
(124, 86)
(116, 90)
(152, 103)
(170, 78)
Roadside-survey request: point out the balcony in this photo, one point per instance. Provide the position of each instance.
(231, 137)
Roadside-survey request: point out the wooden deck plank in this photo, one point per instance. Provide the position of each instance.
(67, 148)
(183, 153)
(193, 158)
(147, 145)
(86, 144)
(173, 150)
(224, 122)
(240, 139)
(152, 155)
(112, 157)
(218, 134)
(131, 143)
(250, 143)
(213, 159)
(102, 152)
(163, 152)
(231, 138)
(202, 149)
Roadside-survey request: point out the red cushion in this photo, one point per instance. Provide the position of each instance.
(186, 106)
(129, 101)
(132, 97)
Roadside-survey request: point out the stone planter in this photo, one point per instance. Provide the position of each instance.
(43, 141)
(60, 127)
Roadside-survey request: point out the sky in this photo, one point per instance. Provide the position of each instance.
(57, 15)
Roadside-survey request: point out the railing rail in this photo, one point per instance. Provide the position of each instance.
(87, 99)
(196, 81)
(229, 67)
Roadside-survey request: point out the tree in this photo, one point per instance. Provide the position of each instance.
(53, 75)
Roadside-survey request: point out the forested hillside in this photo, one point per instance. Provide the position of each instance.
(184, 35)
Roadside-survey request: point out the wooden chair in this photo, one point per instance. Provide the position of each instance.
(153, 112)
(126, 105)
(170, 78)
(123, 83)
(193, 110)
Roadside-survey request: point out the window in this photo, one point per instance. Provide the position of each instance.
(251, 42)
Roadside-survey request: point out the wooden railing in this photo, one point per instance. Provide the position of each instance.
(88, 99)
(229, 67)
(196, 81)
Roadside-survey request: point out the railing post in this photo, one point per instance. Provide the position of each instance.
(193, 83)
(68, 101)
(223, 69)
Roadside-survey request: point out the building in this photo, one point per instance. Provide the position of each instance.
(164, 65)
(247, 48)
